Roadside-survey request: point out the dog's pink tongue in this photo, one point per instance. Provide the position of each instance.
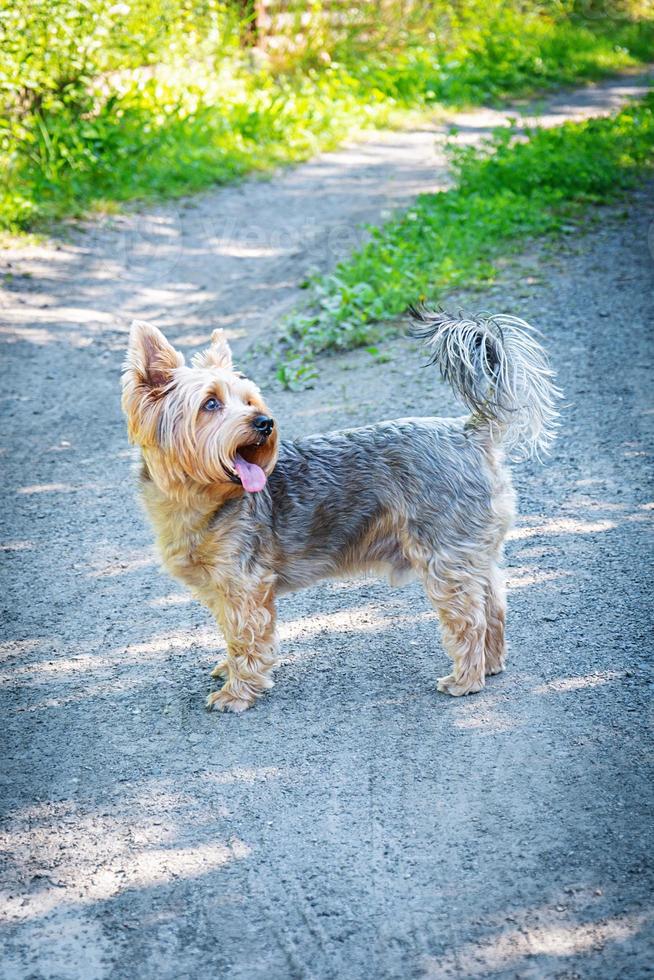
(252, 476)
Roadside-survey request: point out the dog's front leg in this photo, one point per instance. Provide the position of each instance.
(247, 619)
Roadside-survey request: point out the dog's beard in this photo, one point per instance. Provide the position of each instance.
(234, 454)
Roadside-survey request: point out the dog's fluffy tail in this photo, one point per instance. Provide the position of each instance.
(500, 371)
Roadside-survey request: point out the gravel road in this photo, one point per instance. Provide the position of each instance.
(355, 824)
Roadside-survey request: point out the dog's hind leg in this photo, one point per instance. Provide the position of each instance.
(460, 599)
(495, 645)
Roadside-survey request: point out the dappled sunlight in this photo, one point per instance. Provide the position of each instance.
(358, 610)
(585, 502)
(63, 446)
(177, 640)
(50, 680)
(367, 618)
(174, 599)
(355, 822)
(76, 314)
(147, 868)
(42, 262)
(488, 714)
(235, 250)
(565, 684)
(147, 651)
(532, 551)
(58, 488)
(17, 546)
(492, 713)
(33, 335)
(508, 948)
(242, 775)
(94, 668)
(231, 259)
(73, 326)
(88, 692)
(17, 648)
(100, 666)
(195, 339)
(522, 577)
(125, 567)
(107, 561)
(644, 517)
(353, 583)
(69, 665)
(559, 525)
(147, 836)
(566, 940)
(611, 514)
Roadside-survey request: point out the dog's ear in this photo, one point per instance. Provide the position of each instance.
(151, 360)
(218, 355)
(149, 366)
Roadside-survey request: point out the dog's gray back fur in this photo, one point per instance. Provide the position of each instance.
(383, 496)
(346, 501)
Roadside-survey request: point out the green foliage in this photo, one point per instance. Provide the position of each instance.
(297, 373)
(488, 51)
(511, 188)
(104, 102)
(155, 140)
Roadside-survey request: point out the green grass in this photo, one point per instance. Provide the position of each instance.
(78, 135)
(159, 140)
(506, 192)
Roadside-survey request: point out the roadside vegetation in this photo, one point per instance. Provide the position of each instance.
(107, 102)
(512, 188)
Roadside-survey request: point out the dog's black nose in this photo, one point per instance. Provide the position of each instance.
(264, 424)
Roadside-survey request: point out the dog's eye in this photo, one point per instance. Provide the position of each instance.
(212, 405)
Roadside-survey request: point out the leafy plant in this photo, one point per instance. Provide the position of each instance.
(510, 188)
(296, 374)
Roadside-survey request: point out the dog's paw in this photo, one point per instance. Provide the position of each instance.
(226, 700)
(220, 670)
(450, 685)
(495, 668)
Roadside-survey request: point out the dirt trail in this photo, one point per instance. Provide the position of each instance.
(355, 824)
(235, 257)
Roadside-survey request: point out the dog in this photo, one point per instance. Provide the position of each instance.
(242, 517)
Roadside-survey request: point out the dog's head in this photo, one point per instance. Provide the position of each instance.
(203, 423)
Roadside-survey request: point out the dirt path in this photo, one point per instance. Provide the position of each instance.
(355, 824)
(235, 257)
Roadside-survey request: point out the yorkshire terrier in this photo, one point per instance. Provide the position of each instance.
(242, 517)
